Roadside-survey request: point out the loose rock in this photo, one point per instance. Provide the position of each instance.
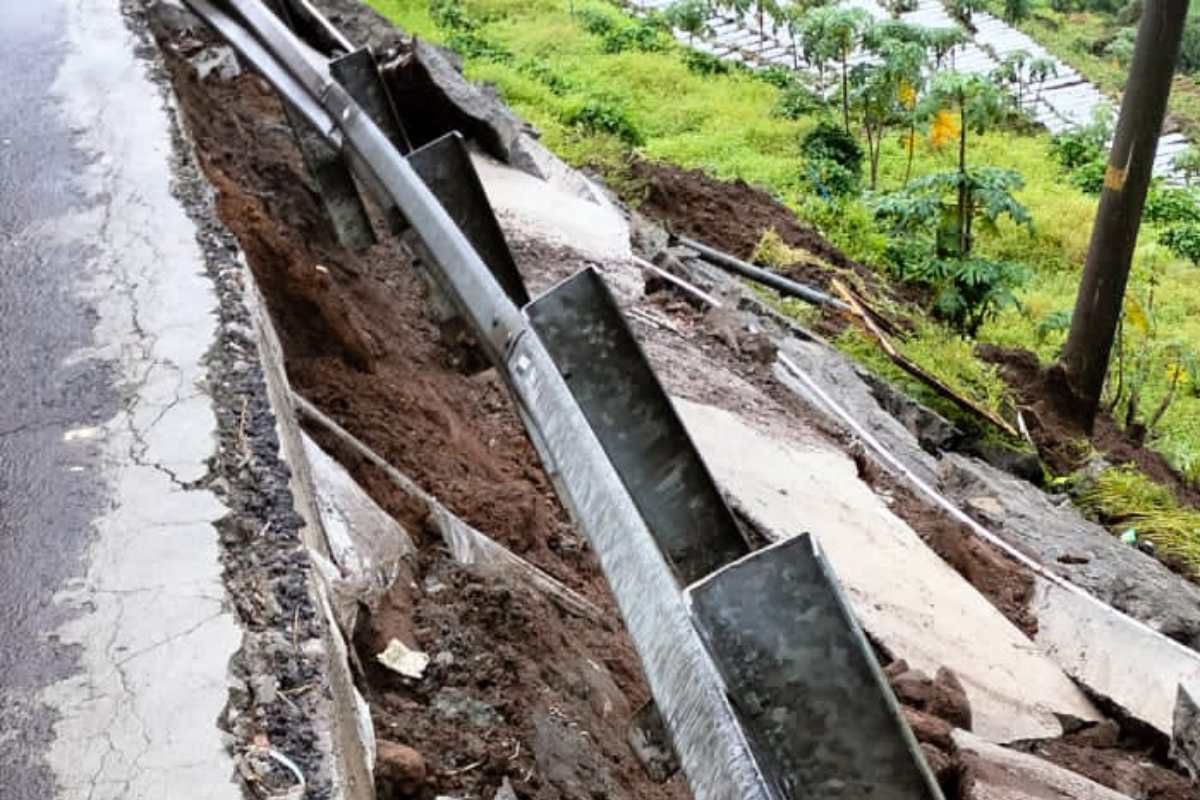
(948, 700)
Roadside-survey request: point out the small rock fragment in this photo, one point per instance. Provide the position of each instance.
(949, 700)
(402, 660)
(399, 768)
(928, 728)
(913, 688)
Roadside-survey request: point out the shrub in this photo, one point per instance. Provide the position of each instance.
(830, 180)
(470, 44)
(705, 63)
(777, 76)
(602, 116)
(595, 23)
(1167, 205)
(1183, 240)
(451, 15)
(1089, 178)
(642, 36)
(831, 142)
(796, 102)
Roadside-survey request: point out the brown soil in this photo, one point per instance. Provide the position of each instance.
(996, 575)
(359, 343)
(1122, 767)
(693, 204)
(1043, 394)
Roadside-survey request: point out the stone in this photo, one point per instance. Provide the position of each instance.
(991, 772)
(1185, 741)
(940, 764)
(928, 728)
(913, 688)
(948, 700)
(399, 767)
(219, 60)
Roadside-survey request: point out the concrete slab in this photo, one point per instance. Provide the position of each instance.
(553, 215)
(997, 773)
(150, 618)
(925, 613)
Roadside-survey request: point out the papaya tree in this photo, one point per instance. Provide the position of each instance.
(936, 215)
(979, 105)
(882, 91)
(836, 33)
(689, 16)
(941, 42)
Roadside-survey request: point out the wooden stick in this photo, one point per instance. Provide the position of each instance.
(467, 544)
(678, 282)
(917, 372)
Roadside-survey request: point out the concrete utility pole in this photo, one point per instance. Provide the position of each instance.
(1102, 290)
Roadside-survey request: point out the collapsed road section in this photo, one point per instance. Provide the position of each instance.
(739, 711)
(478, 687)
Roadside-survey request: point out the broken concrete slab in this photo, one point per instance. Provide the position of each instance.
(1057, 536)
(1185, 740)
(365, 541)
(1098, 646)
(925, 613)
(544, 211)
(991, 772)
(840, 377)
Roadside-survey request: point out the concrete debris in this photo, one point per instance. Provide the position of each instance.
(366, 542)
(997, 773)
(927, 612)
(1185, 742)
(506, 791)
(651, 744)
(543, 211)
(399, 770)
(1119, 575)
(842, 379)
(403, 661)
(218, 59)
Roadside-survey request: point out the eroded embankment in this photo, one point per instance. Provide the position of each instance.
(516, 689)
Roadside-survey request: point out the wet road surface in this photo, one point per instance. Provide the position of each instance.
(49, 487)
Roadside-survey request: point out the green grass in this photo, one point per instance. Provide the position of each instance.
(724, 125)
(1125, 498)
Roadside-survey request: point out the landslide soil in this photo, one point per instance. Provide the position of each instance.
(1044, 399)
(516, 690)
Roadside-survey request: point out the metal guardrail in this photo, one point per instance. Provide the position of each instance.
(735, 662)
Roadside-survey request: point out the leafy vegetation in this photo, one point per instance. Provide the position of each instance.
(999, 222)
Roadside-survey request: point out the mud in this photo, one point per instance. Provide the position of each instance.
(1042, 395)
(693, 204)
(359, 343)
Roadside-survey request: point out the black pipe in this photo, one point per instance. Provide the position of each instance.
(760, 275)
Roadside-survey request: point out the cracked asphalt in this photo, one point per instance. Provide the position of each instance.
(116, 632)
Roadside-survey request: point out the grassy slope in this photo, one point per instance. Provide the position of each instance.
(724, 125)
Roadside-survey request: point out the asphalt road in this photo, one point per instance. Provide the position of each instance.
(50, 482)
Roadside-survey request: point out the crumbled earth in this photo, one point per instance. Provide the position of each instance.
(515, 689)
(1042, 392)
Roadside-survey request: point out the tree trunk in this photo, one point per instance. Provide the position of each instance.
(1114, 234)
(912, 146)
(845, 93)
(962, 179)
